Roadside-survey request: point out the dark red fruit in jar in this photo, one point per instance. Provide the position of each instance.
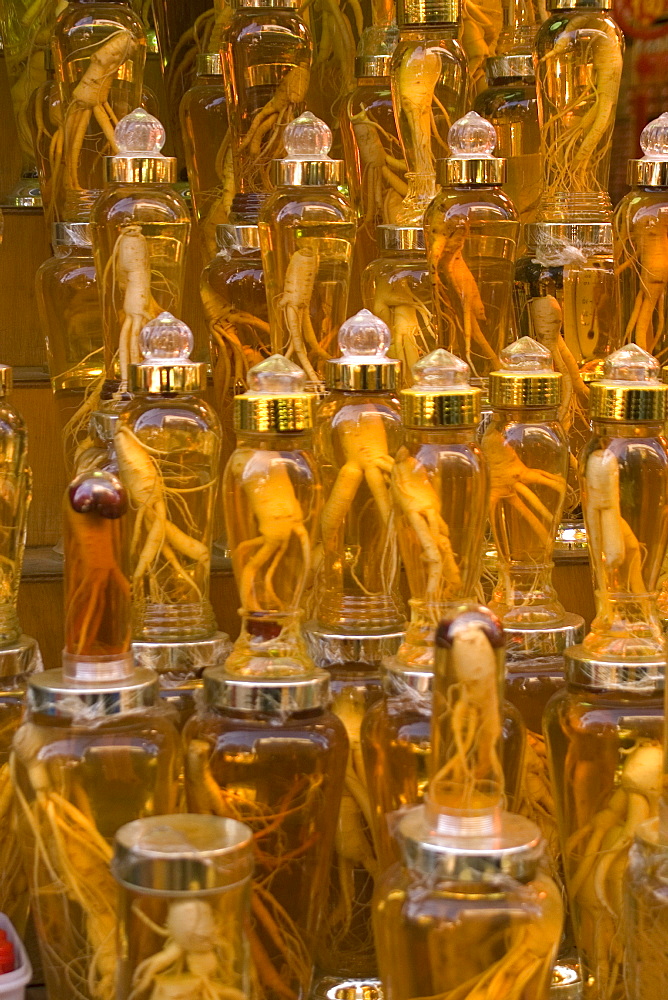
(98, 492)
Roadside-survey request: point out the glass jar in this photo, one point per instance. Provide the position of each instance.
(472, 230)
(509, 102)
(578, 59)
(646, 914)
(429, 89)
(397, 288)
(99, 52)
(267, 59)
(204, 124)
(69, 311)
(307, 231)
(140, 231)
(44, 117)
(184, 884)
(268, 752)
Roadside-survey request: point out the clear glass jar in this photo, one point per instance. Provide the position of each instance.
(184, 884)
(397, 288)
(140, 231)
(15, 497)
(204, 125)
(307, 232)
(99, 52)
(646, 914)
(278, 767)
(44, 119)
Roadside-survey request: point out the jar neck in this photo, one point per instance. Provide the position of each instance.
(273, 441)
(415, 436)
(526, 414)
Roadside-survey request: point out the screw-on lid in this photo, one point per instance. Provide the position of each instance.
(441, 395)
(580, 4)
(652, 169)
(267, 695)
(631, 390)
(165, 343)
(139, 138)
(289, 4)
(276, 401)
(527, 377)
(209, 64)
(374, 52)
(364, 366)
(230, 237)
(471, 140)
(414, 13)
(512, 65)
(307, 141)
(401, 239)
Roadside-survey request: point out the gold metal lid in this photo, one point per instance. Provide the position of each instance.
(580, 4)
(364, 366)
(139, 139)
(307, 143)
(375, 65)
(513, 65)
(288, 4)
(401, 239)
(652, 169)
(166, 343)
(471, 140)
(413, 13)
(630, 390)
(527, 378)
(229, 237)
(441, 395)
(6, 380)
(209, 64)
(276, 402)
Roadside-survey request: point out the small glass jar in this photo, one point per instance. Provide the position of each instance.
(267, 53)
(307, 231)
(184, 884)
(397, 288)
(168, 447)
(472, 230)
(641, 234)
(99, 51)
(268, 752)
(140, 231)
(429, 89)
(578, 55)
(69, 311)
(44, 119)
(204, 125)
(646, 913)
(509, 102)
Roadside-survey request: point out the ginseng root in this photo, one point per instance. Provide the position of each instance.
(232, 358)
(646, 324)
(264, 139)
(383, 183)
(294, 312)
(536, 796)
(410, 323)
(416, 82)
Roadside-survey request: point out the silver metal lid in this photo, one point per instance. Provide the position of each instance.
(19, 660)
(270, 696)
(331, 988)
(309, 173)
(52, 693)
(511, 65)
(103, 424)
(71, 234)
(401, 238)
(179, 662)
(230, 237)
(328, 648)
(632, 676)
(398, 679)
(209, 64)
(566, 982)
(535, 643)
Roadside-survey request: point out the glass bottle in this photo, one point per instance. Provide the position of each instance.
(641, 232)
(429, 90)
(272, 502)
(184, 886)
(307, 232)
(578, 60)
(69, 311)
(472, 230)
(397, 288)
(94, 751)
(266, 750)
(140, 231)
(267, 54)
(168, 447)
(99, 51)
(470, 905)
(358, 433)
(208, 151)
(509, 102)
(43, 118)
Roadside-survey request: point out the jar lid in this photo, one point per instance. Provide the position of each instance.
(631, 390)
(412, 13)
(652, 169)
(165, 343)
(54, 693)
(401, 239)
(580, 4)
(398, 679)
(184, 853)
(139, 139)
(376, 65)
(307, 141)
(364, 341)
(71, 234)
(441, 395)
(276, 401)
(642, 677)
(273, 4)
(209, 64)
(268, 695)
(374, 51)
(471, 140)
(559, 243)
(514, 64)
(230, 237)
(6, 380)
(527, 377)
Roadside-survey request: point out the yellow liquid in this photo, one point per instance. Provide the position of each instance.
(15, 496)
(13, 884)
(26, 39)
(646, 919)
(641, 223)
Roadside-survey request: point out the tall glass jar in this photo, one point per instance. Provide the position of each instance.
(641, 232)
(44, 117)
(99, 51)
(397, 288)
(578, 55)
(184, 884)
(267, 751)
(307, 231)
(140, 231)
(646, 913)
(509, 102)
(272, 503)
(208, 151)
(472, 230)
(429, 91)
(267, 53)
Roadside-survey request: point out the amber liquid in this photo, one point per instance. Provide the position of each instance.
(15, 496)
(283, 779)
(646, 919)
(13, 883)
